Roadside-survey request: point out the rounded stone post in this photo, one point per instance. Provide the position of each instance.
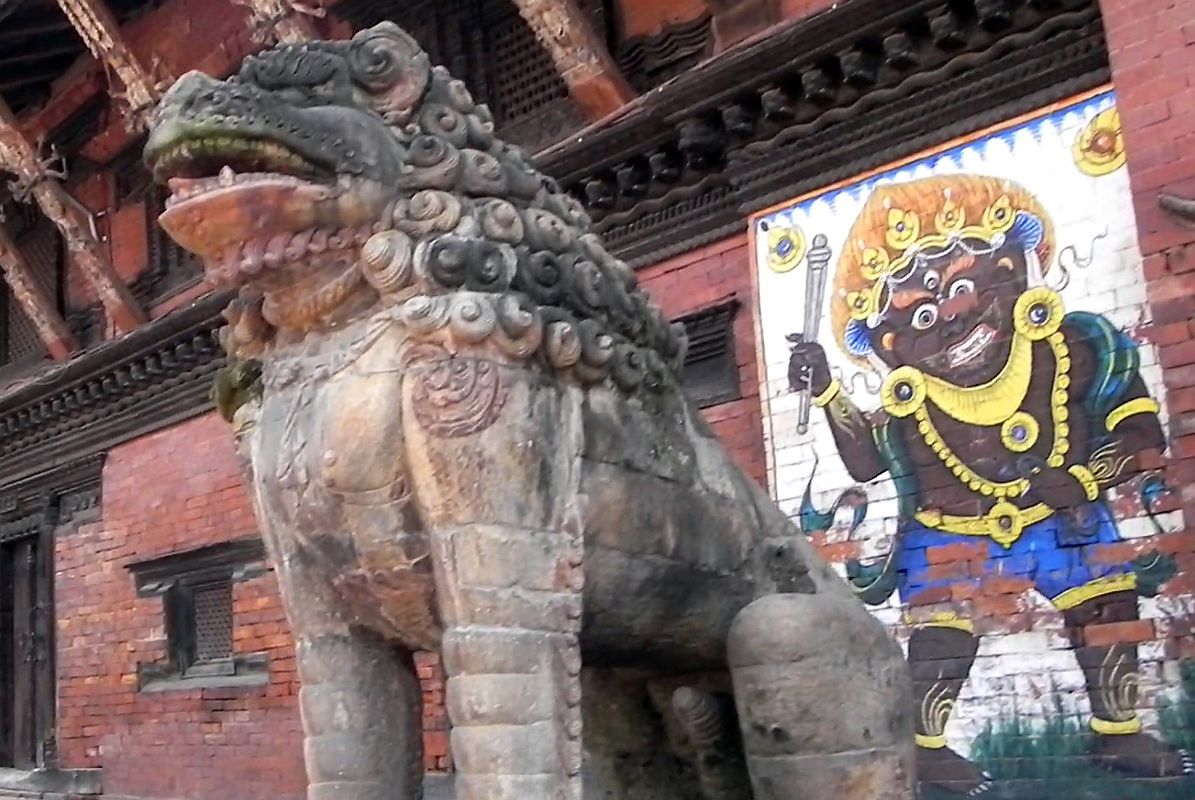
(825, 700)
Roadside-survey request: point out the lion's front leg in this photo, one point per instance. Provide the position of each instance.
(513, 660)
(361, 702)
(494, 455)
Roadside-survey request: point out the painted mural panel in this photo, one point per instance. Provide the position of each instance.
(961, 406)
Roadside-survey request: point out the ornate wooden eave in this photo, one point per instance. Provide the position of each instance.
(154, 377)
(593, 78)
(875, 80)
(99, 30)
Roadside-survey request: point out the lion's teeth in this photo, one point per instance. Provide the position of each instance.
(227, 176)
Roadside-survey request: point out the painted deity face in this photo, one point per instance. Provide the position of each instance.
(949, 313)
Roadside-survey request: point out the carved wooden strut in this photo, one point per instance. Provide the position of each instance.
(100, 31)
(36, 181)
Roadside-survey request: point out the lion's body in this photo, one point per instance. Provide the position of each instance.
(470, 437)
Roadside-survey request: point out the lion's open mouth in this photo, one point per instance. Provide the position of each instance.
(243, 203)
(197, 166)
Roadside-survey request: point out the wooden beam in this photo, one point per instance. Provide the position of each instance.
(580, 55)
(283, 21)
(50, 326)
(100, 31)
(18, 156)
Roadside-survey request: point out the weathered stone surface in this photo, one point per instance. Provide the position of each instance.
(788, 653)
(471, 436)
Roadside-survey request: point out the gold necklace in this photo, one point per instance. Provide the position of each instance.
(1037, 315)
(989, 403)
(1058, 412)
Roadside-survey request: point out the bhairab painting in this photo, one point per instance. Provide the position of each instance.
(962, 407)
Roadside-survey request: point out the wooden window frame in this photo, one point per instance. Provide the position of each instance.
(176, 578)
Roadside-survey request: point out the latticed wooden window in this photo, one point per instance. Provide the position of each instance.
(39, 243)
(487, 44)
(525, 79)
(213, 622)
(199, 628)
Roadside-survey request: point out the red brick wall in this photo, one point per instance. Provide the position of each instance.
(177, 490)
(174, 490)
(702, 278)
(1152, 48)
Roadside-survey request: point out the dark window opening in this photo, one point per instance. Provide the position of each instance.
(711, 373)
(196, 588)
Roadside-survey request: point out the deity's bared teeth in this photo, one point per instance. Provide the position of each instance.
(227, 176)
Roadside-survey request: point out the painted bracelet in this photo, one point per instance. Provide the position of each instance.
(1082, 474)
(829, 394)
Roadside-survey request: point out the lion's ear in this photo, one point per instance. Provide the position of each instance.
(392, 67)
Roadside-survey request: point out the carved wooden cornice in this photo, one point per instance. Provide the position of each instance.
(593, 78)
(100, 31)
(156, 376)
(874, 80)
(54, 496)
(50, 326)
(36, 181)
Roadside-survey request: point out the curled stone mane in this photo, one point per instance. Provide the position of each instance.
(480, 247)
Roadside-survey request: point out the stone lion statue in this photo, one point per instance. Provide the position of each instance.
(465, 433)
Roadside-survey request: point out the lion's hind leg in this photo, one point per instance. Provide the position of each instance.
(824, 700)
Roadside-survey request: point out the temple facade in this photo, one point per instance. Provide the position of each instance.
(936, 263)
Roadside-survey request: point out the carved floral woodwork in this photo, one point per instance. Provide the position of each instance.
(581, 57)
(100, 31)
(36, 181)
(50, 326)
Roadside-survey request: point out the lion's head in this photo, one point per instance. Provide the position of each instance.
(330, 179)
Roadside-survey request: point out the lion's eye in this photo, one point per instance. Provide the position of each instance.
(925, 316)
(932, 280)
(962, 286)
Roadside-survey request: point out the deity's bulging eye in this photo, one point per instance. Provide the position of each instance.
(962, 286)
(932, 280)
(925, 316)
